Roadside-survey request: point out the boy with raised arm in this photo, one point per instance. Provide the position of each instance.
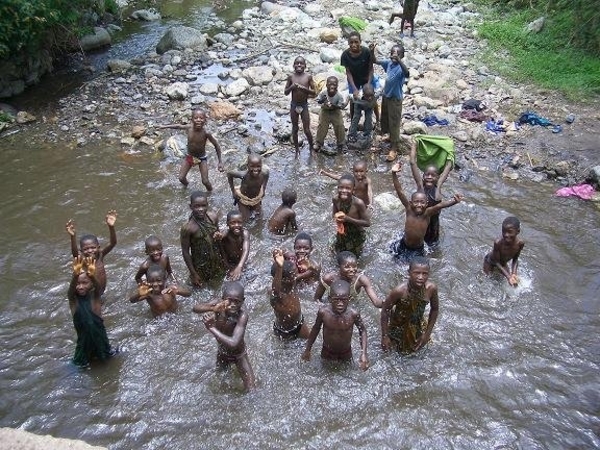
(338, 322)
(362, 183)
(196, 147)
(89, 247)
(235, 244)
(302, 87)
(418, 215)
(506, 248)
(161, 299)
(307, 270)
(249, 194)
(350, 215)
(289, 321)
(402, 321)
(227, 321)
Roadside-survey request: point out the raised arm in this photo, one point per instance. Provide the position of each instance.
(445, 204)
(212, 306)
(324, 281)
(174, 126)
(433, 314)
(370, 291)
(314, 332)
(332, 175)
(397, 186)
(111, 218)
(237, 336)
(70, 227)
(276, 283)
(414, 168)
(142, 292)
(363, 361)
(442, 179)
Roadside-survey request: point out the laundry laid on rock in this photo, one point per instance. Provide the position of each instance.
(433, 120)
(473, 115)
(584, 191)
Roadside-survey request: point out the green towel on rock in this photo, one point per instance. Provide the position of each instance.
(434, 151)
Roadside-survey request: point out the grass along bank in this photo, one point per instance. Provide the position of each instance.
(546, 59)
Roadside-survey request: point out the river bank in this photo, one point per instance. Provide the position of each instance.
(246, 68)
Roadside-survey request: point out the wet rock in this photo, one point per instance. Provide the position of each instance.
(146, 15)
(174, 147)
(100, 38)
(414, 127)
(594, 175)
(388, 202)
(181, 38)
(236, 88)
(118, 65)
(268, 7)
(313, 9)
(138, 131)
(258, 76)
(223, 110)
(25, 117)
(177, 91)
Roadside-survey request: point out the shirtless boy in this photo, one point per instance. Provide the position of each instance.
(154, 250)
(89, 247)
(350, 215)
(160, 299)
(289, 321)
(409, 11)
(226, 321)
(302, 87)
(307, 270)
(196, 147)
(362, 183)
(283, 219)
(235, 244)
(349, 273)
(86, 307)
(402, 324)
(338, 322)
(201, 252)
(418, 215)
(251, 190)
(506, 248)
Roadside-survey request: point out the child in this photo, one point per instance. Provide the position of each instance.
(235, 244)
(366, 105)
(332, 103)
(418, 215)
(362, 183)
(431, 184)
(289, 321)
(402, 313)
(283, 219)
(409, 11)
(350, 215)
(196, 147)
(301, 86)
(391, 103)
(248, 196)
(226, 321)
(89, 247)
(349, 273)
(85, 305)
(506, 248)
(159, 299)
(337, 321)
(306, 269)
(358, 62)
(154, 250)
(201, 252)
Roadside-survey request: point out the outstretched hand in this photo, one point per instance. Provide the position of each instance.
(458, 198)
(77, 265)
(209, 319)
(278, 257)
(70, 227)
(397, 167)
(90, 265)
(111, 218)
(144, 289)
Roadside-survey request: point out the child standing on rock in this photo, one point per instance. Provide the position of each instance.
(301, 86)
(332, 103)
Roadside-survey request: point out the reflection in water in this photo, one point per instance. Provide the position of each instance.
(508, 368)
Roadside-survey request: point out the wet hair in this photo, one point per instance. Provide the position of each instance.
(152, 241)
(418, 261)
(233, 213)
(512, 221)
(340, 287)
(354, 33)
(88, 237)
(349, 177)
(234, 286)
(288, 269)
(360, 162)
(303, 236)
(344, 256)
(332, 78)
(156, 269)
(368, 89)
(196, 195)
(289, 196)
(414, 194)
(254, 157)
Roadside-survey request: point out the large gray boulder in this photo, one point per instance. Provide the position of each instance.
(258, 75)
(180, 38)
(100, 38)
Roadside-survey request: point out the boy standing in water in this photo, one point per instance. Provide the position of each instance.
(160, 299)
(227, 321)
(200, 250)
(251, 190)
(235, 244)
(391, 103)
(289, 321)
(362, 183)
(89, 247)
(154, 250)
(332, 103)
(196, 147)
(306, 269)
(283, 219)
(338, 322)
(302, 87)
(402, 323)
(506, 248)
(350, 215)
(86, 309)
(418, 215)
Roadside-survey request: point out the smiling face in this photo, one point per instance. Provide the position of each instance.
(299, 65)
(348, 269)
(418, 202)
(302, 249)
(90, 248)
(235, 223)
(198, 119)
(345, 189)
(430, 176)
(84, 285)
(254, 166)
(154, 251)
(510, 233)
